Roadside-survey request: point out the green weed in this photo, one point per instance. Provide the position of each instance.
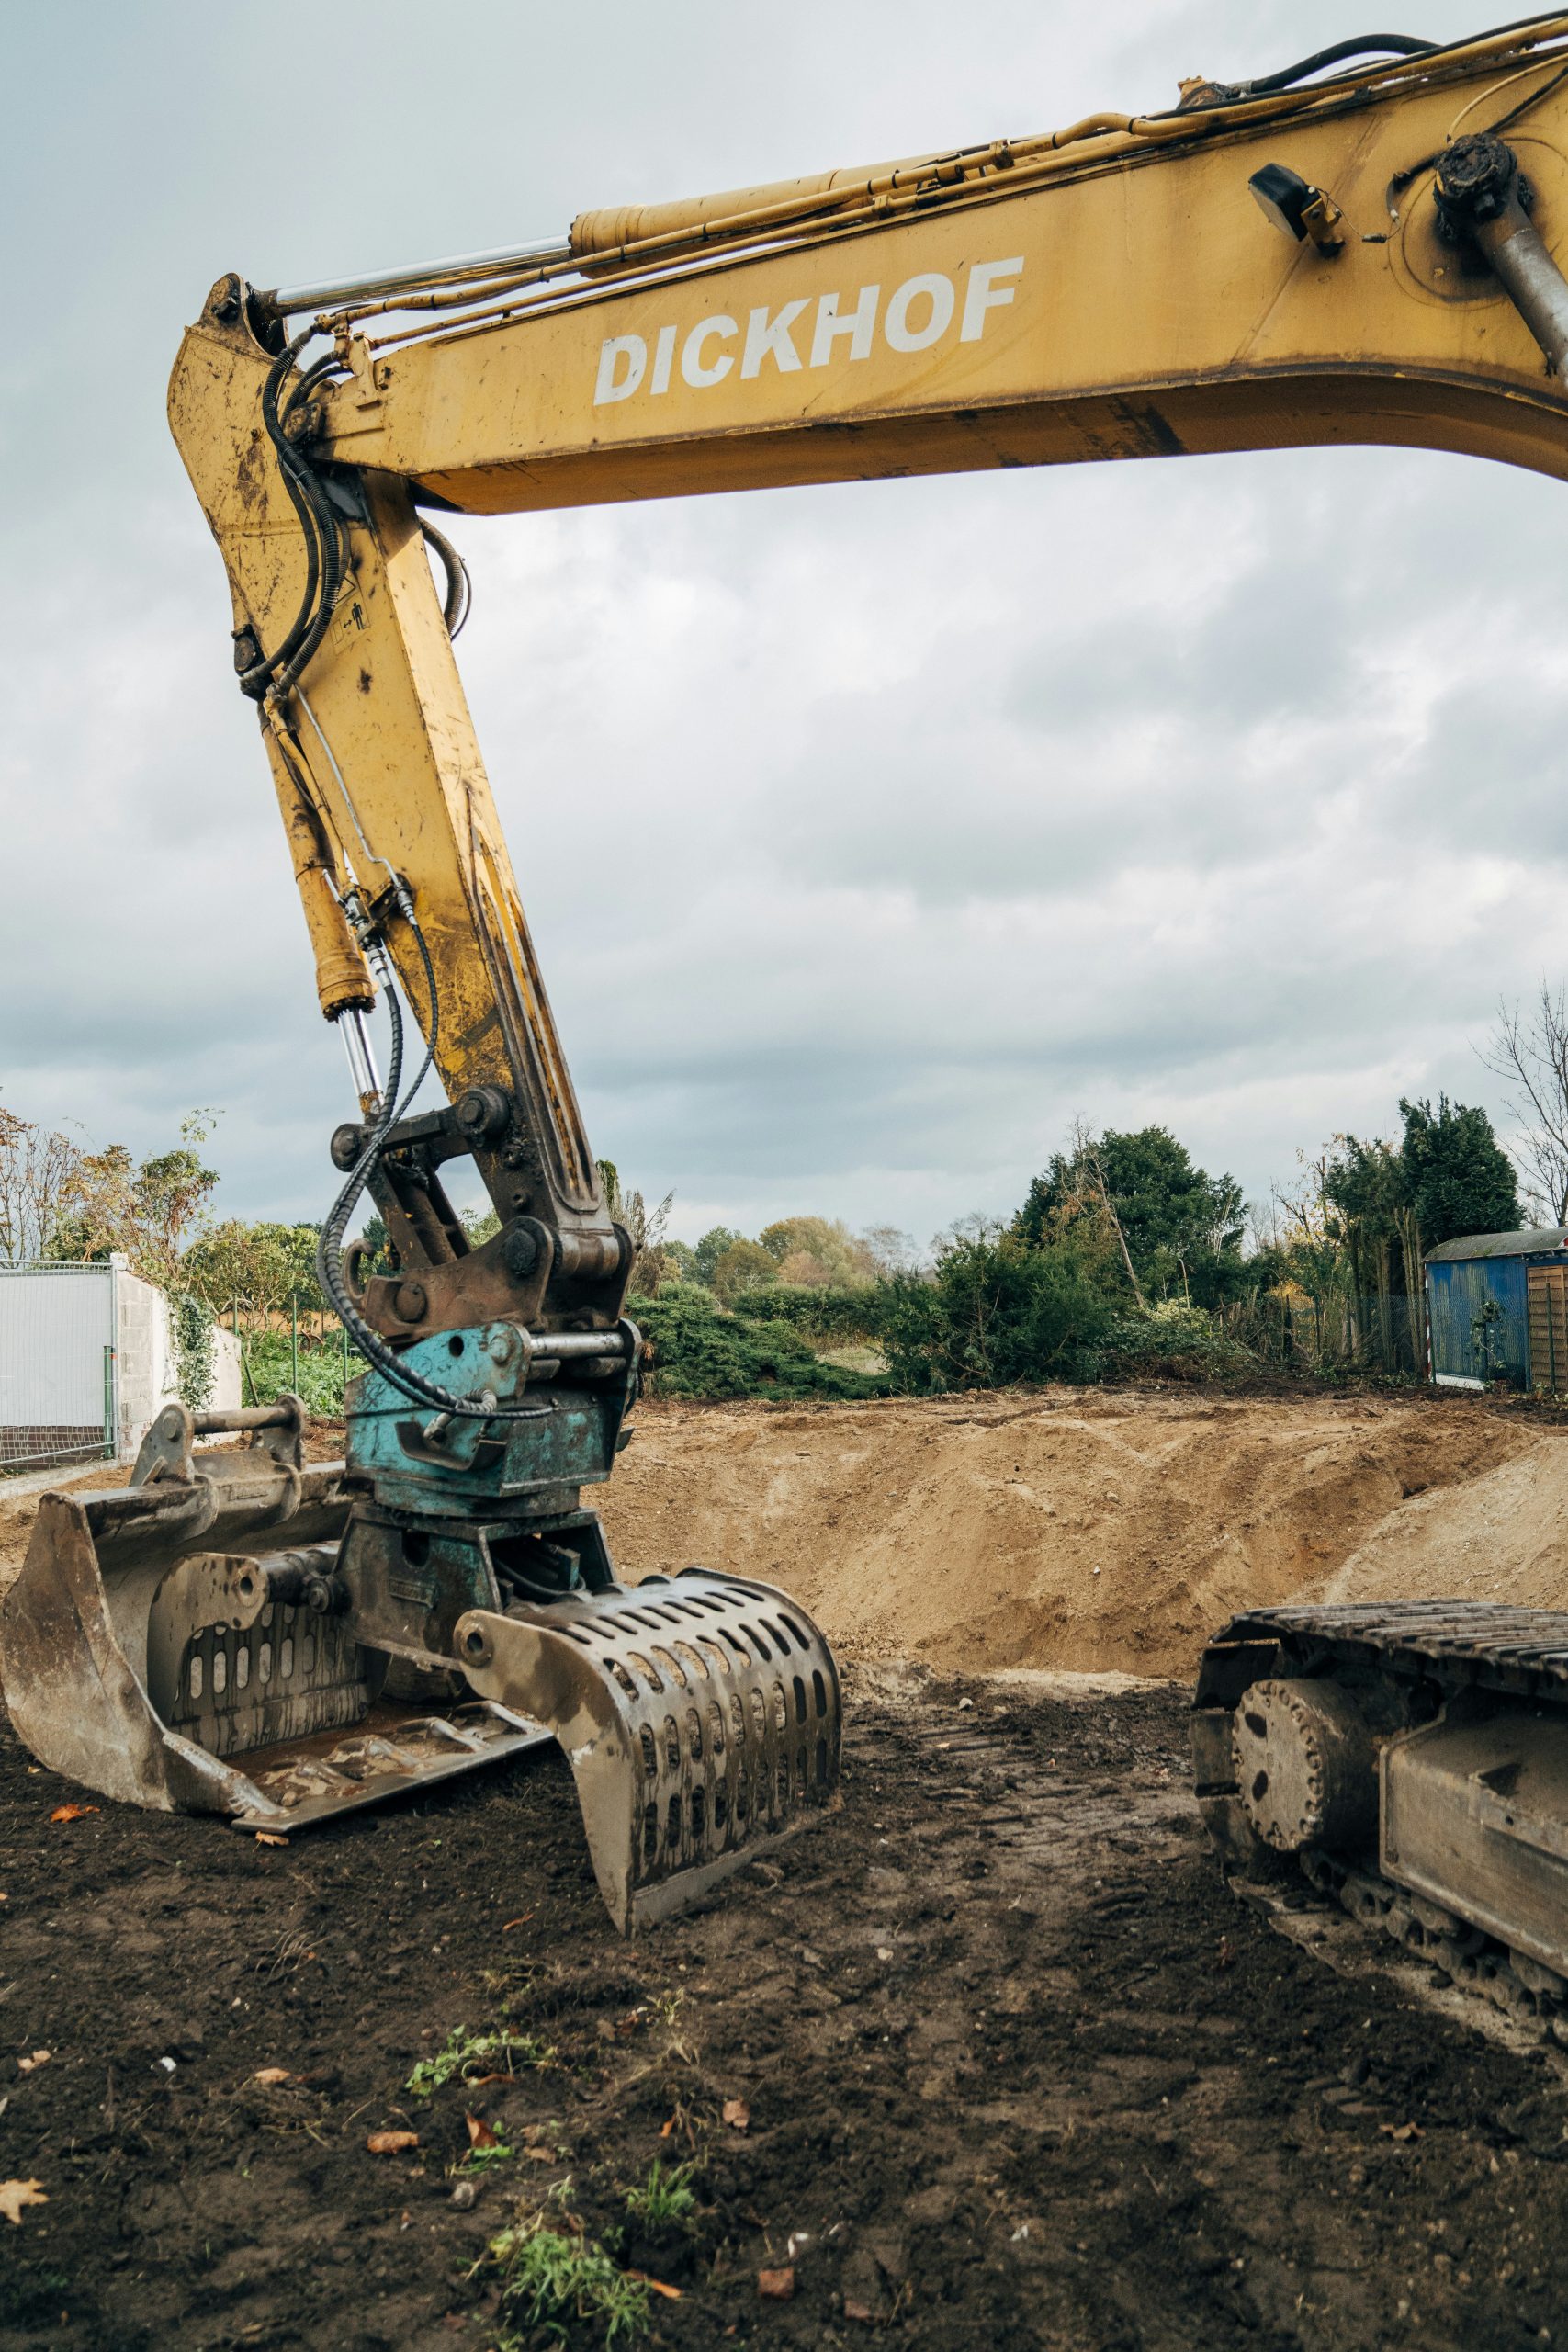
(550, 2279)
(497, 2052)
(664, 2196)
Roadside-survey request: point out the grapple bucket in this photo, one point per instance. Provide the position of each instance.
(700, 1715)
(213, 1610)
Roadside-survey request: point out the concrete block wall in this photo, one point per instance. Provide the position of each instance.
(149, 1366)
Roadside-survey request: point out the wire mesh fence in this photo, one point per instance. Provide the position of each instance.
(1340, 1329)
(299, 1346)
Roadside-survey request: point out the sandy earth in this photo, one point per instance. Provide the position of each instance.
(1093, 1529)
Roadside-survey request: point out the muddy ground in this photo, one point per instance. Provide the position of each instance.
(1018, 2071)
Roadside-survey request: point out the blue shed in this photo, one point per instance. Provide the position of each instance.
(1497, 1309)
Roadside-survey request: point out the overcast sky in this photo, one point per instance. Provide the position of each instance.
(928, 816)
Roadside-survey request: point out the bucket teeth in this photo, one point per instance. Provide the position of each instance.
(701, 1717)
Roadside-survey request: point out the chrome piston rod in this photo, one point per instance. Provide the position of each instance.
(326, 294)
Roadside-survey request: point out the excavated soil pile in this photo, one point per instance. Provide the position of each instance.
(1093, 1530)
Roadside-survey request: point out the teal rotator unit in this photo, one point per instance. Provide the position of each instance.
(521, 1465)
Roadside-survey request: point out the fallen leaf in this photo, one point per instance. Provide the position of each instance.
(858, 2311)
(31, 2065)
(391, 2143)
(265, 1837)
(507, 1925)
(481, 2135)
(70, 1812)
(272, 2076)
(540, 2155)
(1402, 2130)
(736, 2114)
(775, 2286)
(658, 2285)
(14, 2194)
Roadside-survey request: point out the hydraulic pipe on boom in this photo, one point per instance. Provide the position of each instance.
(1106, 290)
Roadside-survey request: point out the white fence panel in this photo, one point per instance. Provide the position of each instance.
(57, 1363)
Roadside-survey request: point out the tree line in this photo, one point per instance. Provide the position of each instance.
(1124, 1257)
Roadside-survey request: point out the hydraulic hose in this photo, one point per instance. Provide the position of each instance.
(329, 1250)
(454, 605)
(319, 526)
(1362, 45)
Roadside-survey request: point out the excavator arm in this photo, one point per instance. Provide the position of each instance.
(1361, 248)
(1110, 291)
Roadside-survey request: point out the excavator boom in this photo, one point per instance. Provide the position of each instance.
(1364, 247)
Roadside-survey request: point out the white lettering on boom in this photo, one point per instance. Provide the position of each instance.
(769, 339)
(917, 316)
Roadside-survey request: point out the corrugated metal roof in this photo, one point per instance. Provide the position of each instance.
(1536, 1240)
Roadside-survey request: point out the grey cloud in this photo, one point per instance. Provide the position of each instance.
(925, 815)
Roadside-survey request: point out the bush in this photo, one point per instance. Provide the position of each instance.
(1177, 1342)
(269, 1371)
(997, 1311)
(826, 1318)
(699, 1350)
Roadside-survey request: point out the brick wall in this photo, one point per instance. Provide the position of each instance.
(34, 1445)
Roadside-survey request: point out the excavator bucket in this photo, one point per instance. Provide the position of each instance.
(700, 1715)
(118, 1640)
(158, 1633)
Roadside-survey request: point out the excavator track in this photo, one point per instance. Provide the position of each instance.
(1410, 1759)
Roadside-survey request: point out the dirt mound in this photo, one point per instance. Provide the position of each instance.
(1091, 1529)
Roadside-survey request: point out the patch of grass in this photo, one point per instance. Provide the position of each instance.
(550, 2279)
(497, 2051)
(664, 2197)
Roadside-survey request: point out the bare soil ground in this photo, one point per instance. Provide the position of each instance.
(1094, 1528)
(1016, 2067)
(1018, 2071)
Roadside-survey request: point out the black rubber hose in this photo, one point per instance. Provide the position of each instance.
(323, 529)
(334, 537)
(254, 680)
(329, 1250)
(455, 607)
(1364, 45)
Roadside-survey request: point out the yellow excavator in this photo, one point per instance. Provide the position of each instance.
(1363, 247)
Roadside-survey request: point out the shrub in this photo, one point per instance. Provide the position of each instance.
(269, 1371)
(824, 1317)
(997, 1311)
(699, 1350)
(1180, 1342)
